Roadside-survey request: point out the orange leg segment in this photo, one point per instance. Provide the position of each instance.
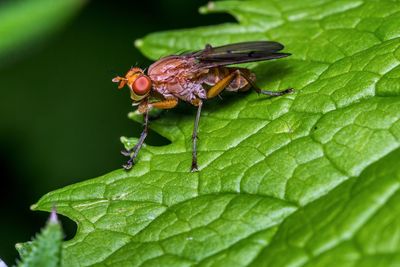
(221, 85)
(165, 104)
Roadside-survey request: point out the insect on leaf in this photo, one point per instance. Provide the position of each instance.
(307, 179)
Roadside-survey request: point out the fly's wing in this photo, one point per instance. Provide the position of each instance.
(237, 53)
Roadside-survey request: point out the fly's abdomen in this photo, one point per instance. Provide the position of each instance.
(214, 75)
(240, 83)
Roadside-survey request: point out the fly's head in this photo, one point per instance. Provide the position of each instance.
(138, 83)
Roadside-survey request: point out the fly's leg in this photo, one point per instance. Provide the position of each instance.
(139, 145)
(265, 92)
(199, 104)
(222, 84)
(165, 104)
(128, 152)
(212, 92)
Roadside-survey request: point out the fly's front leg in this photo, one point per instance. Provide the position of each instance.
(165, 104)
(140, 143)
(199, 104)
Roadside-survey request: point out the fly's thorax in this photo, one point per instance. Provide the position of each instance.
(169, 67)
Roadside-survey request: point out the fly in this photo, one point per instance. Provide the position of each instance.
(195, 77)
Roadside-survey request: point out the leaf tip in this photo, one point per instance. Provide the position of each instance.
(207, 8)
(135, 116)
(128, 143)
(138, 43)
(19, 246)
(123, 139)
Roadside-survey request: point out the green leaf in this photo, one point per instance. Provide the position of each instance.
(45, 249)
(308, 179)
(24, 22)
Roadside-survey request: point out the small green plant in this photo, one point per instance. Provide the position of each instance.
(45, 249)
(309, 179)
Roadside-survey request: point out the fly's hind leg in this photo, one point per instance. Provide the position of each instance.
(264, 92)
(165, 104)
(222, 84)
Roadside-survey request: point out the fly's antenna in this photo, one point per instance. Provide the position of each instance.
(118, 79)
(121, 80)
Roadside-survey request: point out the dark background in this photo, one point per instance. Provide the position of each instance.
(60, 115)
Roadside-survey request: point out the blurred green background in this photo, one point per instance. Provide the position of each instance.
(61, 117)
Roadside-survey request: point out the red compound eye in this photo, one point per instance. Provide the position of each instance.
(142, 85)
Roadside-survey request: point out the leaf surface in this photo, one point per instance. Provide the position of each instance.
(308, 179)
